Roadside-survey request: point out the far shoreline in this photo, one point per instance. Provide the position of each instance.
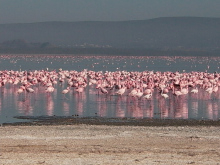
(116, 51)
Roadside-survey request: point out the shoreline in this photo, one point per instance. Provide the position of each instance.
(66, 120)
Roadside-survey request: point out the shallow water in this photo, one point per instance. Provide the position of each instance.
(90, 103)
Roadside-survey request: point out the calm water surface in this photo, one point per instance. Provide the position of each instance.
(90, 104)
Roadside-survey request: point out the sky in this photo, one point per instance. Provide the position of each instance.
(28, 11)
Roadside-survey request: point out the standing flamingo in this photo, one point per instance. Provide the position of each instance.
(49, 89)
(147, 96)
(121, 91)
(30, 90)
(164, 94)
(65, 91)
(195, 90)
(103, 90)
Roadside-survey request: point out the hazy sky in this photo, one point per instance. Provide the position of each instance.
(25, 11)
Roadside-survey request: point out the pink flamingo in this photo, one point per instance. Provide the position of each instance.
(21, 89)
(49, 89)
(103, 90)
(65, 91)
(133, 92)
(164, 94)
(30, 90)
(195, 90)
(121, 91)
(79, 89)
(148, 95)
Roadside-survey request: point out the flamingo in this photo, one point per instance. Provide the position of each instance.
(139, 93)
(215, 89)
(195, 90)
(30, 90)
(147, 96)
(147, 91)
(20, 90)
(65, 91)
(49, 89)
(133, 92)
(164, 94)
(103, 90)
(121, 91)
(79, 89)
(209, 90)
(184, 91)
(177, 92)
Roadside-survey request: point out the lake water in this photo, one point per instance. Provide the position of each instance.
(90, 103)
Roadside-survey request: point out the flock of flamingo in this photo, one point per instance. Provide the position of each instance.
(133, 84)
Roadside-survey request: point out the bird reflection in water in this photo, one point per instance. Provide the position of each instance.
(180, 107)
(215, 110)
(135, 107)
(209, 110)
(101, 106)
(80, 98)
(66, 108)
(25, 107)
(148, 108)
(162, 105)
(49, 105)
(120, 106)
(194, 109)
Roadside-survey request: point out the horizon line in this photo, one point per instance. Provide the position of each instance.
(112, 21)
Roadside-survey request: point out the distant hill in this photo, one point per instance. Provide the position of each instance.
(178, 33)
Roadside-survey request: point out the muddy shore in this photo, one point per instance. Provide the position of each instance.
(74, 141)
(73, 120)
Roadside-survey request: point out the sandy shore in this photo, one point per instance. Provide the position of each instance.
(100, 144)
